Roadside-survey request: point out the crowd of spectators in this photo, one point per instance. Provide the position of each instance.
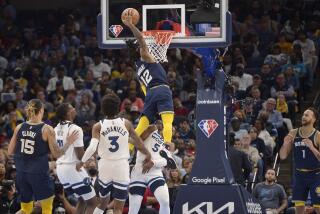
(53, 56)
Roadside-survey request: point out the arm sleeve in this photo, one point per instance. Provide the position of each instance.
(90, 150)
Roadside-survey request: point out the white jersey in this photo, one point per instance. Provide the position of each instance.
(154, 143)
(114, 140)
(62, 130)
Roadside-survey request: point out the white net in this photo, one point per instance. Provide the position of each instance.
(158, 42)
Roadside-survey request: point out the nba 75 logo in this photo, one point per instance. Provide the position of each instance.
(116, 29)
(208, 126)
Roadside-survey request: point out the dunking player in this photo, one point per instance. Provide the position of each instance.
(72, 180)
(305, 142)
(30, 145)
(152, 179)
(154, 84)
(110, 136)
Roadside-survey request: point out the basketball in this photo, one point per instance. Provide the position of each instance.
(135, 15)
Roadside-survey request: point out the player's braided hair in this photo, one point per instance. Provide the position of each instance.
(133, 49)
(33, 108)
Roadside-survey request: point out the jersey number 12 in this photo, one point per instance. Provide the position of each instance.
(27, 146)
(146, 77)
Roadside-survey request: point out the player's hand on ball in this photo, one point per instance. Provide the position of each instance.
(127, 19)
(71, 138)
(147, 165)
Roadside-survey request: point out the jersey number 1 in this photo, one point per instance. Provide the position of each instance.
(304, 154)
(27, 146)
(114, 143)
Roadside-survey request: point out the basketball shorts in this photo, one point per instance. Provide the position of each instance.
(139, 181)
(158, 100)
(305, 182)
(75, 182)
(113, 177)
(34, 186)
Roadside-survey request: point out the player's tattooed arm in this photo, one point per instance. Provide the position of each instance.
(287, 144)
(50, 136)
(13, 141)
(144, 50)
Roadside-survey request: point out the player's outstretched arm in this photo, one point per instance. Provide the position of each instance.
(13, 141)
(92, 148)
(50, 136)
(287, 144)
(144, 50)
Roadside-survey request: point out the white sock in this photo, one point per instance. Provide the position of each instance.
(162, 196)
(97, 210)
(134, 203)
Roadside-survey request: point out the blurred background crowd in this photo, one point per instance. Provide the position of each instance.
(52, 55)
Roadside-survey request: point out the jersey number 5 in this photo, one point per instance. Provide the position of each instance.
(27, 146)
(146, 77)
(114, 143)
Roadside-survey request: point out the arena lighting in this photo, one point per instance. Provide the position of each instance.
(208, 11)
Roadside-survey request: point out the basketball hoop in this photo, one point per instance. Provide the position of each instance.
(158, 42)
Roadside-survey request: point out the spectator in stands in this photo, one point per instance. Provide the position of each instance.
(252, 152)
(86, 108)
(235, 128)
(67, 82)
(276, 58)
(97, 67)
(267, 75)
(243, 79)
(239, 162)
(174, 179)
(264, 135)
(21, 103)
(185, 130)
(271, 195)
(179, 109)
(273, 116)
(135, 101)
(308, 49)
(257, 82)
(258, 143)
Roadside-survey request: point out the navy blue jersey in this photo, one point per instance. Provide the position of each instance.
(31, 154)
(303, 156)
(151, 74)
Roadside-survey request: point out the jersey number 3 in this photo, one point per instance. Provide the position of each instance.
(27, 146)
(114, 143)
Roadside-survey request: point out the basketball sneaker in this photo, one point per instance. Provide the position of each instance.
(171, 163)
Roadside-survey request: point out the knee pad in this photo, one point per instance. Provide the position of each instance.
(46, 205)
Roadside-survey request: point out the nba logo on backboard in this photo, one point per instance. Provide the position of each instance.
(116, 30)
(208, 126)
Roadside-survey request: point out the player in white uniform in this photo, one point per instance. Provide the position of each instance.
(110, 136)
(72, 180)
(154, 178)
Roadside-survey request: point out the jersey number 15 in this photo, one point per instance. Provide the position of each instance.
(27, 146)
